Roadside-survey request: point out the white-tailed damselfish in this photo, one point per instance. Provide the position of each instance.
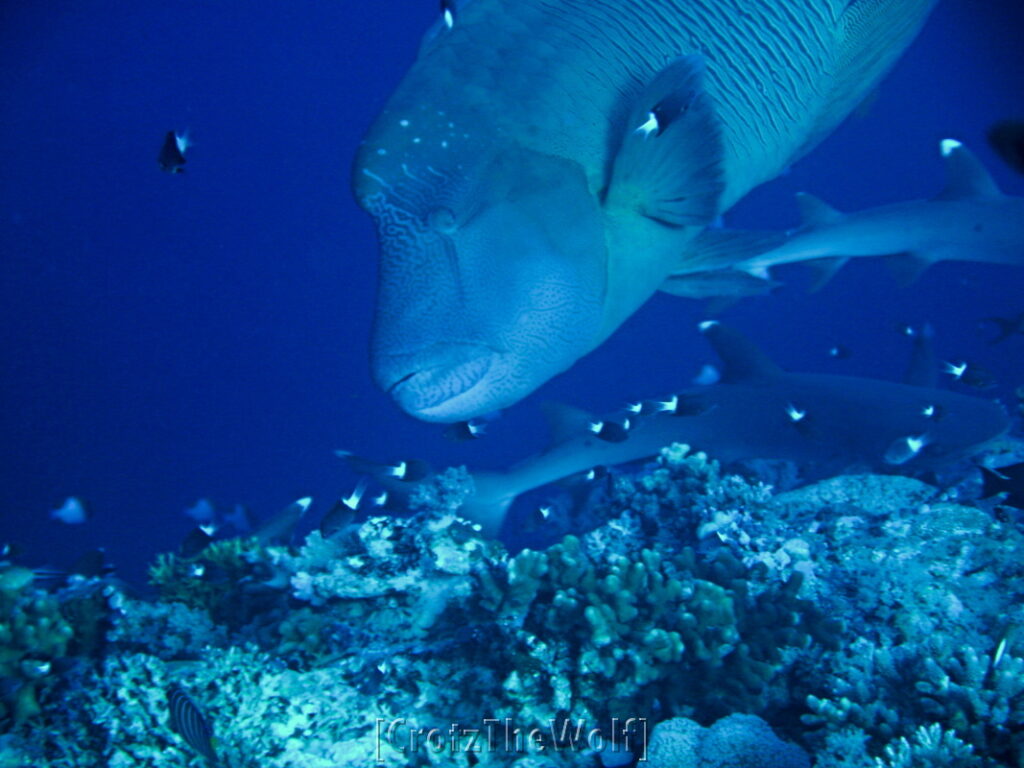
(172, 154)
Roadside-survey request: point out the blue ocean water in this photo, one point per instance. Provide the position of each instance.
(168, 338)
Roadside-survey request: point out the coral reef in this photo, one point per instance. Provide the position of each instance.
(736, 741)
(875, 621)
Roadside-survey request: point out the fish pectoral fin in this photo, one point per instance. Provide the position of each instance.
(564, 422)
(718, 284)
(720, 248)
(668, 165)
(907, 267)
(824, 270)
(814, 211)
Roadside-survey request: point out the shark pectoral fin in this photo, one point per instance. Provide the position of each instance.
(668, 166)
(564, 422)
(907, 267)
(824, 270)
(718, 248)
(966, 177)
(718, 284)
(814, 211)
(741, 359)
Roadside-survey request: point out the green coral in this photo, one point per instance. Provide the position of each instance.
(605, 636)
(212, 580)
(33, 635)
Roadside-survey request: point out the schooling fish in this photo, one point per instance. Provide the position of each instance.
(823, 422)
(172, 154)
(545, 166)
(970, 220)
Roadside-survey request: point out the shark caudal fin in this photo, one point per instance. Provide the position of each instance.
(489, 503)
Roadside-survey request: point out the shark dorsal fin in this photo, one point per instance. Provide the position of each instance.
(741, 359)
(564, 422)
(966, 177)
(815, 212)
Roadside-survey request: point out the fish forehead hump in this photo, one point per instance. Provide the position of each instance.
(558, 76)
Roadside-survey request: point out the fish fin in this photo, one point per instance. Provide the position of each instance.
(490, 501)
(671, 173)
(966, 177)
(824, 270)
(717, 248)
(815, 212)
(741, 359)
(564, 422)
(719, 284)
(907, 267)
(870, 36)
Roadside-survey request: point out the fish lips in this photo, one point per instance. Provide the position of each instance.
(442, 391)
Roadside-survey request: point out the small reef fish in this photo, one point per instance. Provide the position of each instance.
(187, 720)
(545, 166)
(198, 539)
(461, 431)
(970, 220)
(823, 422)
(202, 511)
(172, 154)
(1007, 139)
(71, 512)
(1005, 480)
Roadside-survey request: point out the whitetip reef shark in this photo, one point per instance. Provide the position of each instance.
(969, 220)
(756, 411)
(545, 165)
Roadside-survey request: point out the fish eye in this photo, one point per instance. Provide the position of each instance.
(441, 220)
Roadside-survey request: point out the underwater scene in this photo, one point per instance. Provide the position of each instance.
(514, 383)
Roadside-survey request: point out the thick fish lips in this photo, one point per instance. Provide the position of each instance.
(437, 386)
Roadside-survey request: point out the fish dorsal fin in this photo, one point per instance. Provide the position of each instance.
(966, 177)
(741, 359)
(668, 166)
(815, 212)
(564, 422)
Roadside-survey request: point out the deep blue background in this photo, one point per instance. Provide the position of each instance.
(171, 337)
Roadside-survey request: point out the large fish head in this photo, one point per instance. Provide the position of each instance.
(492, 274)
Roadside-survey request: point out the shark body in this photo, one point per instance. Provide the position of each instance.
(970, 220)
(545, 165)
(758, 411)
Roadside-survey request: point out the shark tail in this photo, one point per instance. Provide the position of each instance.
(490, 502)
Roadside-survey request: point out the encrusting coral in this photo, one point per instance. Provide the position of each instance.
(859, 616)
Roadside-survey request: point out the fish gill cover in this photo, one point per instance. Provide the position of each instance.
(825, 575)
